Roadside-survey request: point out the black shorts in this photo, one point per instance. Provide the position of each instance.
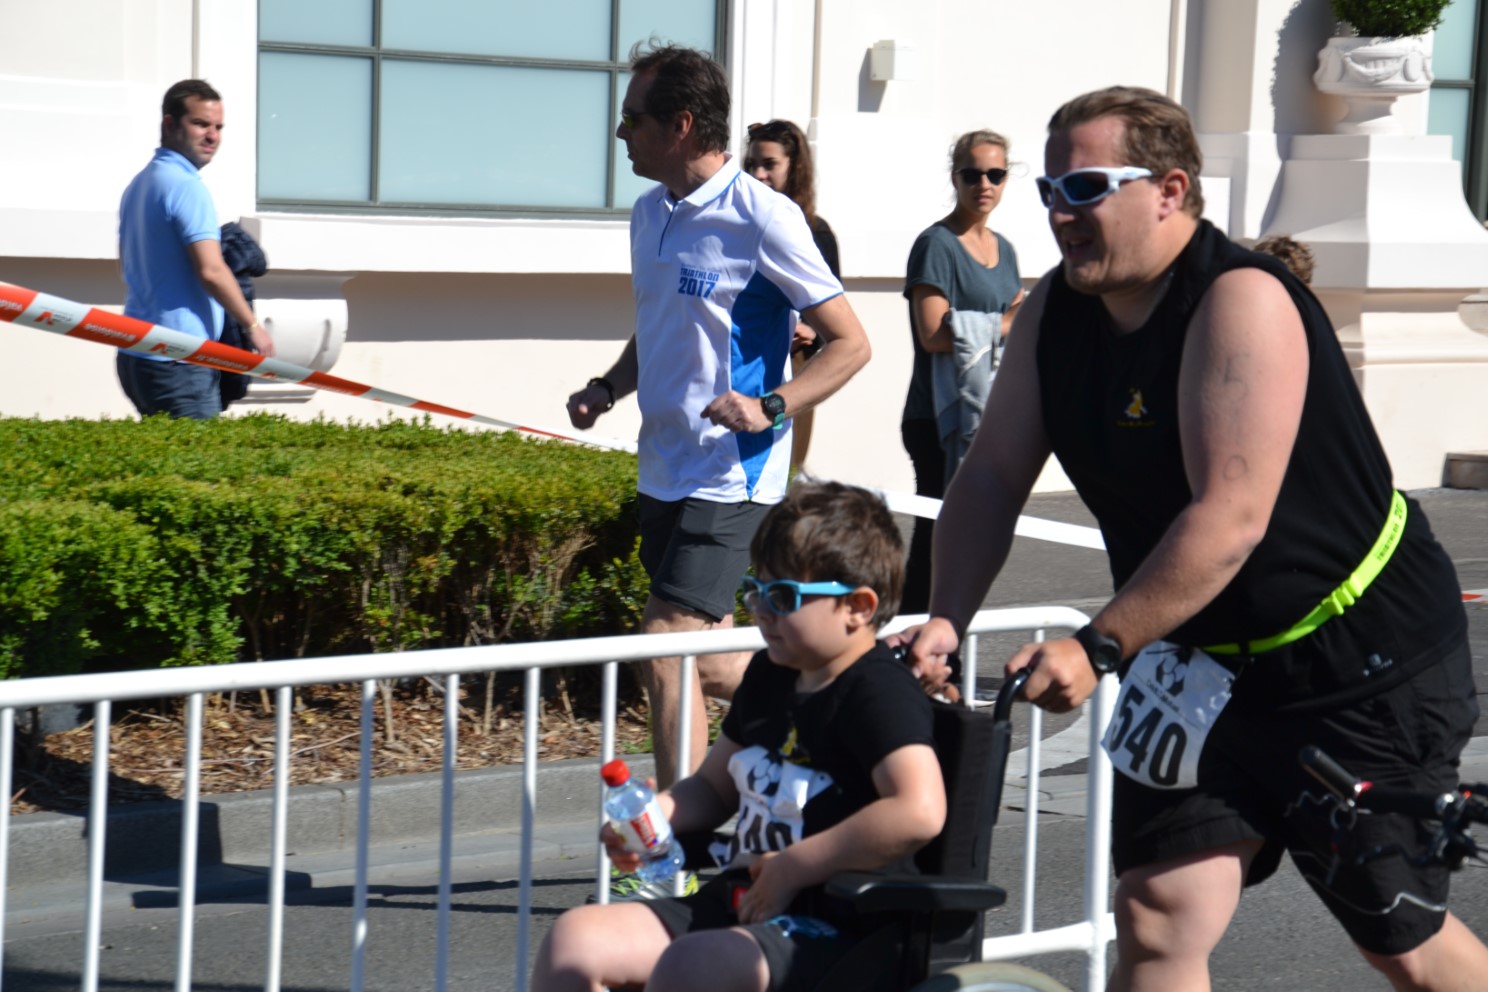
(797, 961)
(696, 552)
(1251, 787)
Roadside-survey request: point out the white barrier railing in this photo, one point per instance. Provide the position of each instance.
(1089, 936)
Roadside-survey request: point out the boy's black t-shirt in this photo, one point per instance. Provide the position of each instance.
(806, 760)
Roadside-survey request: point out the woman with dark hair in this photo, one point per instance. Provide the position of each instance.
(780, 157)
(959, 272)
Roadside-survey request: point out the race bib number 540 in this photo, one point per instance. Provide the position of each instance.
(1170, 698)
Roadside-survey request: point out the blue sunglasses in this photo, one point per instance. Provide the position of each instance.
(1085, 186)
(782, 596)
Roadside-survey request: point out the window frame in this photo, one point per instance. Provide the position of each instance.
(1475, 147)
(616, 68)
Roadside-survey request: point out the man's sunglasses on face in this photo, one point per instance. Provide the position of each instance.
(783, 596)
(973, 177)
(1085, 186)
(628, 118)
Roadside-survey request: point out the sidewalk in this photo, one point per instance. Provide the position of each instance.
(49, 851)
(48, 860)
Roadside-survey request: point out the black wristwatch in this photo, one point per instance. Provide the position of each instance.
(774, 406)
(1104, 652)
(604, 384)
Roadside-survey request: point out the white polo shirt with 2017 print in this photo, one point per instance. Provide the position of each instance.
(717, 277)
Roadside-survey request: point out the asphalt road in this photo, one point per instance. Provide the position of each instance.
(1280, 939)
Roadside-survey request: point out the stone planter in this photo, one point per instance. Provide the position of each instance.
(1369, 74)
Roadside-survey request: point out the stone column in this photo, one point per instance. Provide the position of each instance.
(1248, 84)
(1401, 260)
(1401, 265)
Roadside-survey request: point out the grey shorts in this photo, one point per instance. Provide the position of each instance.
(1251, 787)
(696, 552)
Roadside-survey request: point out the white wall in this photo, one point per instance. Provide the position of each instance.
(426, 317)
(506, 316)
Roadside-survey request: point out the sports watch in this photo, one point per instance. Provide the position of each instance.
(774, 406)
(1104, 652)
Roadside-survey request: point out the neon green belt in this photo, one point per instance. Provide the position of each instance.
(1341, 598)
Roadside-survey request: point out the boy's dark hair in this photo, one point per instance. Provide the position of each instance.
(830, 532)
(174, 104)
(686, 79)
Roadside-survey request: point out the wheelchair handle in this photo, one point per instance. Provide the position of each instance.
(1379, 798)
(1330, 773)
(1002, 711)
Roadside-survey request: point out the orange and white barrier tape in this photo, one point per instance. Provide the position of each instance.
(42, 311)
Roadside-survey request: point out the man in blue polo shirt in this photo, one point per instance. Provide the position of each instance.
(719, 262)
(169, 247)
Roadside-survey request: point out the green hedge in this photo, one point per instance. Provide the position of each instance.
(137, 544)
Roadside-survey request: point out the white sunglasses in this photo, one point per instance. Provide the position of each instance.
(1083, 186)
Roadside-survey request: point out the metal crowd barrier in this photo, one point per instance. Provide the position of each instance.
(1090, 935)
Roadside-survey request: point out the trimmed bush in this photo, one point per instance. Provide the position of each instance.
(160, 542)
(1390, 18)
(71, 574)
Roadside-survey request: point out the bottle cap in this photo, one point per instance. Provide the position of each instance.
(615, 773)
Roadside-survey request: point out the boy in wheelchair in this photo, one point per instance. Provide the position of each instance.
(826, 755)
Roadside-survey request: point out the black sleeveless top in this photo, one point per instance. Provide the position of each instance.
(1110, 409)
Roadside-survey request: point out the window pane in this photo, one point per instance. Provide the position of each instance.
(314, 127)
(1452, 48)
(556, 29)
(493, 135)
(1447, 114)
(326, 22)
(628, 185)
(693, 23)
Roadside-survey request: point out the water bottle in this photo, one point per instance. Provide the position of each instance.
(632, 809)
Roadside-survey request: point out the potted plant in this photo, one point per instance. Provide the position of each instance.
(1382, 57)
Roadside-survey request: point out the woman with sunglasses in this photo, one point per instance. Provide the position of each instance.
(957, 264)
(780, 157)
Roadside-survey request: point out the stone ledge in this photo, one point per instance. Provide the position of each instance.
(1467, 470)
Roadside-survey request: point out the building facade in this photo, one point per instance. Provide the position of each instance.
(444, 205)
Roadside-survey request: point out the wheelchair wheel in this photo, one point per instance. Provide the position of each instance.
(990, 976)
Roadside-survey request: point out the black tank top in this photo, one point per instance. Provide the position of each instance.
(1110, 409)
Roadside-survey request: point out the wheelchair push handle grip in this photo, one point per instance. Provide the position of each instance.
(1002, 712)
(1420, 805)
(1367, 795)
(1330, 773)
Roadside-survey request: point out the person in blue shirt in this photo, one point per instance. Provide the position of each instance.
(170, 252)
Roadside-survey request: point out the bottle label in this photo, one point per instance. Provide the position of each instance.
(646, 832)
